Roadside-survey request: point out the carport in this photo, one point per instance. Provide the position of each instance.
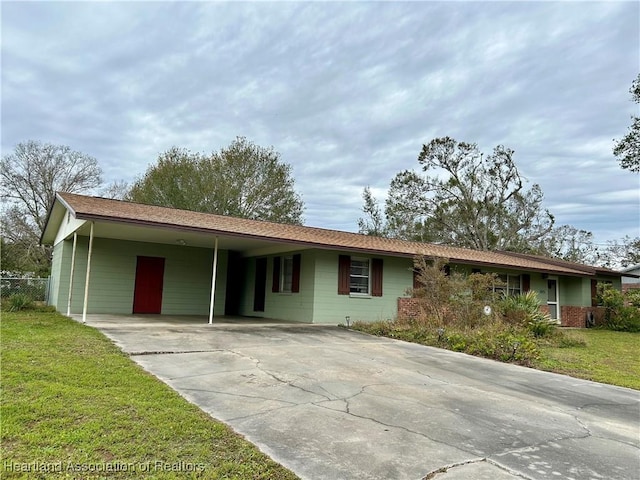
(206, 268)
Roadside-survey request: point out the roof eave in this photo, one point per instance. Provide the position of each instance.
(47, 237)
(320, 245)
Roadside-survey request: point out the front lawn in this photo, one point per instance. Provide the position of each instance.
(74, 406)
(607, 357)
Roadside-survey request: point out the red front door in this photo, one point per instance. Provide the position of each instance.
(147, 296)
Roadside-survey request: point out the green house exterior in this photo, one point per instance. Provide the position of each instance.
(264, 270)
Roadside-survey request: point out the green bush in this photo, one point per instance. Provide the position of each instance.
(524, 310)
(541, 328)
(632, 296)
(617, 315)
(19, 301)
(497, 341)
(452, 316)
(380, 328)
(626, 319)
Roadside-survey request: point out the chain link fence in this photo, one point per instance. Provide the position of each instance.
(37, 289)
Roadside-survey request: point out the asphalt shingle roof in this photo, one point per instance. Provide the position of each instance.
(95, 208)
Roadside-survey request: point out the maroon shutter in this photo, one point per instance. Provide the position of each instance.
(344, 274)
(376, 281)
(275, 287)
(295, 278)
(594, 293)
(526, 282)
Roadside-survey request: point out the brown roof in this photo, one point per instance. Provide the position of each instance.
(94, 208)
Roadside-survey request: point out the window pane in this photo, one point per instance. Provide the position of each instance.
(514, 284)
(287, 273)
(359, 279)
(553, 311)
(359, 285)
(551, 295)
(360, 267)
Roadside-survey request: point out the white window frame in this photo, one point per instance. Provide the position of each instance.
(508, 288)
(367, 276)
(284, 288)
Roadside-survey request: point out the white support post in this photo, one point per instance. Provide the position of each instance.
(86, 282)
(73, 266)
(213, 281)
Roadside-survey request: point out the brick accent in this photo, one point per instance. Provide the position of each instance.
(630, 286)
(408, 308)
(577, 316)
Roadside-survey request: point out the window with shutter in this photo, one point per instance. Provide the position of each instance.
(359, 276)
(286, 274)
(376, 277)
(344, 264)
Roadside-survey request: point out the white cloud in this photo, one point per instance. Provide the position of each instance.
(346, 92)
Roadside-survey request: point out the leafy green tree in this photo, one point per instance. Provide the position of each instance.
(627, 149)
(243, 180)
(31, 175)
(467, 199)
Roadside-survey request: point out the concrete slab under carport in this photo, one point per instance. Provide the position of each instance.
(331, 403)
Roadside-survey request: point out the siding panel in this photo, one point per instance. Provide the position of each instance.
(187, 278)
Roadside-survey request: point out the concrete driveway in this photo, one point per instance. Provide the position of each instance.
(334, 404)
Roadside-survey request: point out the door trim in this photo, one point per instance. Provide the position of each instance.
(557, 301)
(260, 285)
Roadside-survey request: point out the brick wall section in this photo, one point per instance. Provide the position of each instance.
(577, 316)
(408, 308)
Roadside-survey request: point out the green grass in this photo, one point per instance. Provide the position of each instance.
(74, 403)
(606, 356)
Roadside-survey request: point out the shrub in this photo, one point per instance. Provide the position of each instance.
(632, 296)
(451, 298)
(617, 315)
(497, 341)
(524, 310)
(380, 328)
(452, 316)
(19, 301)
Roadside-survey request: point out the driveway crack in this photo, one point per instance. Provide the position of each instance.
(171, 352)
(435, 473)
(291, 383)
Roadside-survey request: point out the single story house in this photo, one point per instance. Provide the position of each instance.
(111, 256)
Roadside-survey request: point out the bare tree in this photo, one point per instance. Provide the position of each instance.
(31, 176)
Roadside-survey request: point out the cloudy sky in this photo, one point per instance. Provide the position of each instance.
(346, 92)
